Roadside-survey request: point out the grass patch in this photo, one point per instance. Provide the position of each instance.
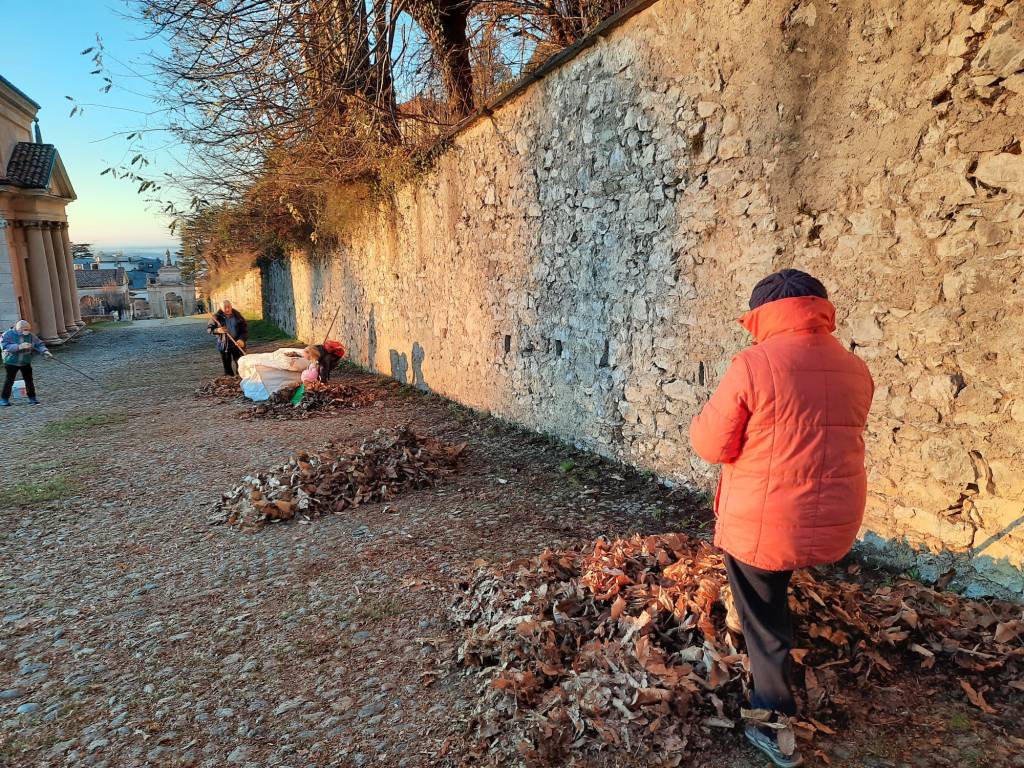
(73, 424)
(347, 366)
(45, 466)
(104, 325)
(376, 609)
(35, 492)
(261, 331)
(960, 723)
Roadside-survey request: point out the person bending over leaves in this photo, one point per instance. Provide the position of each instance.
(787, 423)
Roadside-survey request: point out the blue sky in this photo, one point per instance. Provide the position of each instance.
(40, 54)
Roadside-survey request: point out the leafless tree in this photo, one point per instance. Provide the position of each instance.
(275, 99)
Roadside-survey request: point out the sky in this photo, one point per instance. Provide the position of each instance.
(40, 54)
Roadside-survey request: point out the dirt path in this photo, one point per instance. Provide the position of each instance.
(135, 633)
(144, 636)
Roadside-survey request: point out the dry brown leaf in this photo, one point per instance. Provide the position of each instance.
(1008, 630)
(786, 739)
(822, 727)
(618, 607)
(975, 697)
(920, 649)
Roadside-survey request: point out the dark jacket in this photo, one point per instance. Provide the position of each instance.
(328, 362)
(235, 325)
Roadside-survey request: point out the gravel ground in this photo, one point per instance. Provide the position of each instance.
(135, 633)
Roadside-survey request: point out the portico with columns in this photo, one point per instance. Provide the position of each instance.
(37, 279)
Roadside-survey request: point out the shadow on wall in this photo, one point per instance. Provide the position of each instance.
(323, 307)
(278, 293)
(978, 572)
(400, 367)
(417, 367)
(371, 340)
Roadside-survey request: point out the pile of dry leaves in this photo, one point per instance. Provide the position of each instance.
(620, 655)
(317, 400)
(221, 388)
(310, 485)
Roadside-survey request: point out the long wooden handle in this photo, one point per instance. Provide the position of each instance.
(331, 326)
(221, 326)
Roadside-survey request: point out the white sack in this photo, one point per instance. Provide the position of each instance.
(265, 373)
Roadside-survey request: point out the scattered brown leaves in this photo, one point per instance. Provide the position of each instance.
(318, 400)
(221, 388)
(329, 482)
(622, 652)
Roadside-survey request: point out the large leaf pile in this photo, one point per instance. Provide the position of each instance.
(310, 485)
(317, 400)
(619, 655)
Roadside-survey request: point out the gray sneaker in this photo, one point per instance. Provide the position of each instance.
(770, 747)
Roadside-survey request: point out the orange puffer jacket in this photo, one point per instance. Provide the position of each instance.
(787, 421)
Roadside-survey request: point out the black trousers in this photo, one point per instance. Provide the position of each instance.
(12, 374)
(762, 600)
(230, 359)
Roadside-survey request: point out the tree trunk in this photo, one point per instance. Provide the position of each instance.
(444, 24)
(384, 25)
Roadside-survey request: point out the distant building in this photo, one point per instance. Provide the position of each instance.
(143, 271)
(170, 295)
(102, 291)
(36, 270)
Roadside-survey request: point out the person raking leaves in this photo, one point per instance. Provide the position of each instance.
(787, 423)
(232, 334)
(19, 344)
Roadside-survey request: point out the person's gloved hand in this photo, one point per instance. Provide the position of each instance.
(241, 343)
(25, 346)
(48, 355)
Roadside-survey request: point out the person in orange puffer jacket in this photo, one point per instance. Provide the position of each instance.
(787, 423)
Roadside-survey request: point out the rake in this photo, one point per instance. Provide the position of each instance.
(68, 365)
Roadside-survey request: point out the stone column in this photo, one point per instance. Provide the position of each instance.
(44, 316)
(64, 277)
(76, 308)
(9, 312)
(55, 290)
(20, 255)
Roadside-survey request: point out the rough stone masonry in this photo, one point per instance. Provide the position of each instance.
(576, 261)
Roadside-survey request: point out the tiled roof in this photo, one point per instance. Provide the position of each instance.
(100, 278)
(30, 165)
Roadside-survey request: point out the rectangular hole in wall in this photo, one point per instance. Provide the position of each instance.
(508, 344)
(700, 373)
(558, 348)
(604, 356)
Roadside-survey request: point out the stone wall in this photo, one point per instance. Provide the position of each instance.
(244, 292)
(576, 261)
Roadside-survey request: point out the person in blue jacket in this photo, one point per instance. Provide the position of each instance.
(19, 344)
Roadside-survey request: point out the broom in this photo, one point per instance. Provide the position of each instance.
(297, 397)
(225, 332)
